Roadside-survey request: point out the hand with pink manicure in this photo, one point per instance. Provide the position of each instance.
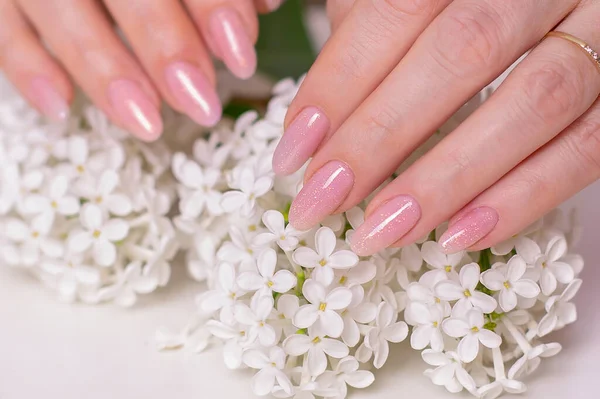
(170, 57)
(394, 71)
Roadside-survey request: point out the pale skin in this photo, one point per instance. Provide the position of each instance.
(390, 75)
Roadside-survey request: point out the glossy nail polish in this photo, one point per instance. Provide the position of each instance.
(232, 39)
(49, 100)
(273, 5)
(321, 195)
(469, 229)
(136, 110)
(386, 225)
(194, 93)
(300, 140)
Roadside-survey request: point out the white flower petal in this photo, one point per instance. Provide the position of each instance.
(360, 379)
(339, 298)
(331, 323)
(508, 300)
(233, 200)
(91, 217)
(493, 279)
(443, 375)
(489, 339)
(396, 332)
(456, 328)
(255, 359)
(465, 379)
(468, 348)
(283, 281)
(563, 272)
(68, 206)
(365, 312)
(119, 204)
(250, 281)
(343, 259)
(267, 261)
(350, 332)
(516, 268)
(313, 292)
(381, 355)
(115, 229)
(306, 316)
(435, 358)
(324, 275)
(325, 241)
(263, 382)
(306, 257)
(288, 305)
(433, 255)
(297, 344)
(548, 282)
(317, 361)
(421, 337)
(274, 221)
(104, 252)
(334, 348)
(449, 290)
(526, 288)
(469, 276)
(483, 301)
(557, 247)
(527, 249)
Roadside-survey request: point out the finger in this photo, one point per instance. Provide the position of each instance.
(30, 67)
(368, 44)
(553, 174)
(231, 26)
(169, 47)
(98, 61)
(551, 88)
(478, 40)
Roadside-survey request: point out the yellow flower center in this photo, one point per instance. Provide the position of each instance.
(96, 233)
(435, 324)
(448, 269)
(322, 262)
(467, 293)
(98, 199)
(475, 329)
(316, 340)
(252, 227)
(54, 205)
(270, 284)
(282, 237)
(343, 280)
(322, 306)
(507, 285)
(80, 168)
(437, 300)
(35, 234)
(250, 251)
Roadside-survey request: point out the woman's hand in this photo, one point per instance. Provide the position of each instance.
(171, 42)
(395, 70)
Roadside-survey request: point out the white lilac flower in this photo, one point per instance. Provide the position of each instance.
(56, 200)
(470, 328)
(225, 295)
(270, 364)
(236, 340)
(445, 264)
(318, 347)
(250, 189)
(103, 193)
(560, 311)
(520, 242)
(386, 329)
(423, 292)
(428, 327)
(464, 290)
(551, 268)
(360, 274)
(508, 280)
(256, 317)
(99, 234)
(323, 307)
(33, 240)
(129, 283)
(286, 308)
(265, 278)
(71, 277)
(358, 312)
(324, 259)
(449, 371)
(346, 373)
(501, 383)
(239, 250)
(285, 236)
(200, 184)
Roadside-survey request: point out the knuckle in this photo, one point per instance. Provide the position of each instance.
(583, 142)
(552, 89)
(468, 40)
(383, 124)
(401, 9)
(353, 64)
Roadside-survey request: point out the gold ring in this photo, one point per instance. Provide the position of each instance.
(593, 55)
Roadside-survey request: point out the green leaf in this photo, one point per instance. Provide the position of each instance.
(283, 47)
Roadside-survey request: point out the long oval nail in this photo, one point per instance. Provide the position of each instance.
(300, 140)
(135, 109)
(321, 195)
(386, 225)
(194, 93)
(49, 100)
(469, 229)
(236, 49)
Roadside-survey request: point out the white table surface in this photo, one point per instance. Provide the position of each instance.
(53, 350)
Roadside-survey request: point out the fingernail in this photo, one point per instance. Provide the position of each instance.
(235, 47)
(194, 93)
(300, 141)
(469, 229)
(386, 225)
(135, 109)
(321, 195)
(48, 100)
